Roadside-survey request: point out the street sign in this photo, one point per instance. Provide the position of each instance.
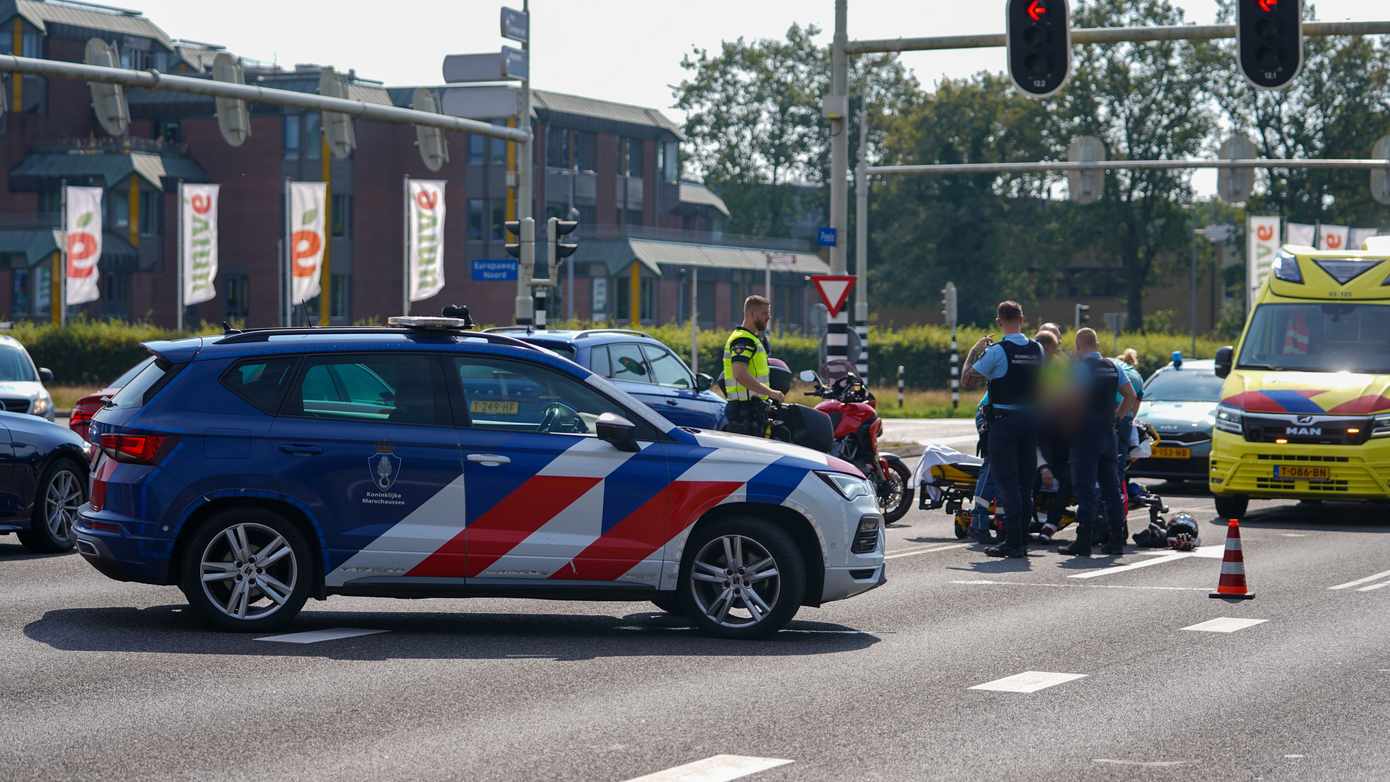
(1235, 185)
(108, 100)
(828, 237)
(503, 270)
(1380, 178)
(486, 101)
(834, 290)
(233, 118)
(508, 64)
(516, 25)
(434, 150)
(1086, 187)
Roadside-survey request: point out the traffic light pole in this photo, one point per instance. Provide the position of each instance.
(527, 297)
(861, 249)
(836, 110)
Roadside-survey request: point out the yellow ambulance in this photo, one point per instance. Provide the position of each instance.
(1305, 409)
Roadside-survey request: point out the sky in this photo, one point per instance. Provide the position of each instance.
(622, 50)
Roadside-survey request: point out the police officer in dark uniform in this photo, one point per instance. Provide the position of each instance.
(1013, 367)
(1100, 382)
(746, 371)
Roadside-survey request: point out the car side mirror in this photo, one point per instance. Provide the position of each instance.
(45, 374)
(808, 376)
(703, 382)
(618, 432)
(1224, 358)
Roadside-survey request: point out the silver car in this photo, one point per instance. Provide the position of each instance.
(21, 383)
(1180, 404)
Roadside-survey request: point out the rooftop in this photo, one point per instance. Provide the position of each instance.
(86, 16)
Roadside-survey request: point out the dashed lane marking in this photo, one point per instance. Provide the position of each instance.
(985, 582)
(1029, 681)
(1142, 763)
(1204, 552)
(1225, 624)
(719, 768)
(927, 550)
(1374, 587)
(1358, 582)
(318, 636)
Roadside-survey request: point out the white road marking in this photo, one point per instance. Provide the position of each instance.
(1143, 763)
(1374, 587)
(317, 636)
(1225, 624)
(1293, 535)
(1295, 757)
(929, 550)
(1360, 581)
(1203, 552)
(1029, 681)
(1083, 586)
(719, 768)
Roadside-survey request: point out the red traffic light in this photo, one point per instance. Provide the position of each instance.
(1270, 36)
(1039, 41)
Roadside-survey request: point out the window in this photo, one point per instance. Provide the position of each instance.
(704, 299)
(16, 366)
(557, 147)
(397, 389)
(476, 145)
(1329, 337)
(632, 152)
(144, 385)
(135, 59)
(292, 131)
(338, 305)
(21, 301)
(586, 150)
(313, 138)
(116, 291)
(43, 290)
(497, 219)
(667, 370)
(624, 288)
(518, 397)
(598, 361)
(341, 214)
(259, 381)
(629, 364)
(477, 219)
(236, 289)
(632, 217)
(50, 201)
(499, 147)
(150, 208)
(668, 161)
(118, 209)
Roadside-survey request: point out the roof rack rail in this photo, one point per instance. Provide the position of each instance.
(589, 332)
(265, 334)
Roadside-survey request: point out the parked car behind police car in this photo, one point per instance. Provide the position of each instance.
(21, 383)
(258, 469)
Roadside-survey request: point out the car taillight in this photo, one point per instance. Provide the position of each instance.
(135, 448)
(80, 420)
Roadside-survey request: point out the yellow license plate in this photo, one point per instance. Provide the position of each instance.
(490, 407)
(1303, 473)
(1171, 452)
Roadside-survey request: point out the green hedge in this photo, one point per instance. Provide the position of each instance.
(95, 352)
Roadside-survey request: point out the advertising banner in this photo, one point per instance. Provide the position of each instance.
(306, 239)
(82, 244)
(426, 230)
(1359, 237)
(198, 242)
(1263, 235)
(1334, 237)
(1301, 234)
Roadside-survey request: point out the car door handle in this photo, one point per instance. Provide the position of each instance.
(301, 449)
(488, 459)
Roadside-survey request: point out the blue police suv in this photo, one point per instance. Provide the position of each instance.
(640, 365)
(260, 468)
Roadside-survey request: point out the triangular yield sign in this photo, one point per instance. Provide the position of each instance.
(834, 290)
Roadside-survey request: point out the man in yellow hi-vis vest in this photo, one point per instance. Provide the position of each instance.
(746, 372)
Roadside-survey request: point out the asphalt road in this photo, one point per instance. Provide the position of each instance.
(102, 680)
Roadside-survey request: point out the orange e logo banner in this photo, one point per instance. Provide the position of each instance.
(426, 231)
(82, 229)
(306, 239)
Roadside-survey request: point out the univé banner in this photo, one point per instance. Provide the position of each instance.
(198, 242)
(82, 244)
(306, 239)
(1263, 234)
(426, 251)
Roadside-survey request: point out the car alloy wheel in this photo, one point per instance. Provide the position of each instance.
(248, 571)
(735, 581)
(60, 504)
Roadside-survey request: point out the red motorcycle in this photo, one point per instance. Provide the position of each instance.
(852, 411)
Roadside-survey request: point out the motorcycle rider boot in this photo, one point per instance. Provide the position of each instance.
(1081, 547)
(1115, 544)
(1004, 551)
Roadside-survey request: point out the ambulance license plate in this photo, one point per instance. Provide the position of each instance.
(1301, 473)
(1171, 452)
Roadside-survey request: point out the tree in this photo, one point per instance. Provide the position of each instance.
(754, 126)
(1145, 101)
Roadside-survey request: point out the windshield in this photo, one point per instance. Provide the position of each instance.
(1183, 386)
(1332, 337)
(15, 365)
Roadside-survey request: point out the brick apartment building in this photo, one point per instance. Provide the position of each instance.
(615, 166)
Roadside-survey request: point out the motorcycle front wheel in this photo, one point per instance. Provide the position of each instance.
(895, 491)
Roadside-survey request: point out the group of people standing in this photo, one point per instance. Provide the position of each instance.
(1056, 420)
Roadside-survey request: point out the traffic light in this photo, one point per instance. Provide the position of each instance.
(1271, 41)
(513, 230)
(1083, 316)
(556, 250)
(1039, 39)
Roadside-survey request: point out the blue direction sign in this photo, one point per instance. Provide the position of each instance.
(828, 237)
(503, 270)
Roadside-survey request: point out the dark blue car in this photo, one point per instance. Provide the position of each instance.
(43, 481)
(640, 365)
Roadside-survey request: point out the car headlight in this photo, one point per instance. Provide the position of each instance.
(1382, 426)
(1229, 419)
(850, 487)
(41, 405)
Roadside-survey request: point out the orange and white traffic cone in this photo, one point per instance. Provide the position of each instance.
(1232, 584)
